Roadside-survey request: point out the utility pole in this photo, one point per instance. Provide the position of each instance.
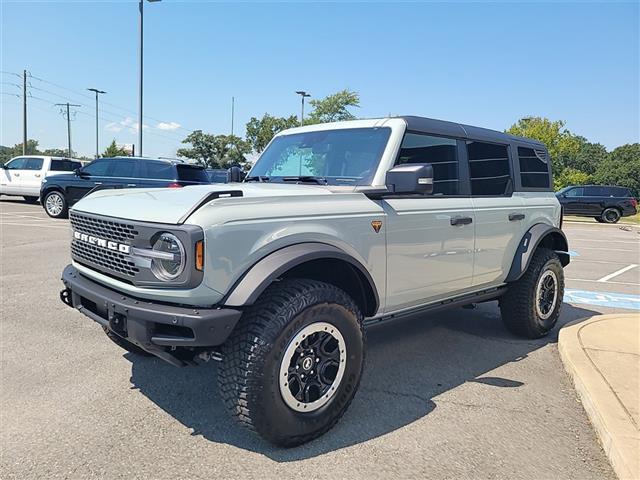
(68, 117)
(97, 92)
(233, 102)
(141, 9)
(302, 94)
(24, 112)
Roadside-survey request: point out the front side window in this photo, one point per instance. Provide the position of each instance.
(97, 168)
(488, 168)
(16, 164)
(440, 152)
(575, 192)
(339, 157)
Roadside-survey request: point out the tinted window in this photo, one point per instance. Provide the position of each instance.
(33, 164)
(190, 173)
(596, 191)
(218, 176)
(534, 168)
(64, 165)
(575, 192)
(488, 168)
(160, 170)
(124, 168)
(16, 164)
(440, 152)
(98, 168)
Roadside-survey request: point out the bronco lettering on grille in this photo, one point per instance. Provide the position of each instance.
(101, 242)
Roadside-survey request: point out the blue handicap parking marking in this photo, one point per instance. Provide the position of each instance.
(573, 253)
(603, 299)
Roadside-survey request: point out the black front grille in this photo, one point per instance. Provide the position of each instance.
(114, 261)
(107, 229)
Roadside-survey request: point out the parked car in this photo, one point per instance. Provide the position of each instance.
(338, 227)
(605, 203)
(23, 176)
(59, 192)
(218, 175)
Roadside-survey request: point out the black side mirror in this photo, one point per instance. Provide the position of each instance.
(235, 174)
(411, 178)
(4, 166)
(80, 173)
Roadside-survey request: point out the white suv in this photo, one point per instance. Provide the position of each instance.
(22, 176)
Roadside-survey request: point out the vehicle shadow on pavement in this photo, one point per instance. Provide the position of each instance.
(408, 364)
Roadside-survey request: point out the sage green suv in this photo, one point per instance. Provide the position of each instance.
(335, 228)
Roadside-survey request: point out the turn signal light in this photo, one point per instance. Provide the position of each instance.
(199, 255)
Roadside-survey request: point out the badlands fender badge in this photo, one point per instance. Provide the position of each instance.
(101, 242)
(376, 224)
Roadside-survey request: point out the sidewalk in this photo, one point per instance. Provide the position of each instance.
(602, 355)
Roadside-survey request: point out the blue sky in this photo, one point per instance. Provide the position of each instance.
(486, 64)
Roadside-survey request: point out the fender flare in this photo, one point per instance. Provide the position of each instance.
(251, 285)
(530, 241)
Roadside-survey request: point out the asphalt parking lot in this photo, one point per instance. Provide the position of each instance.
(446, 396)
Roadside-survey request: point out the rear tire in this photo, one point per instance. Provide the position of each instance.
(31, 200)
(125, 344)
(599, 219)
(531, 306)
(611, 215)
(55, 204)
(293, 364)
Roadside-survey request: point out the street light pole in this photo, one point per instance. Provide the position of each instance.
(141, 9)
(302, 94)
(97, 92)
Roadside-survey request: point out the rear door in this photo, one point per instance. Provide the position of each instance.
(499, 215)
(430, 238)
(32, 175)
(11, 179)
(125, 172)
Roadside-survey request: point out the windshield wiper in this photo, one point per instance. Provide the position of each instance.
(257, 178)
(306, 178)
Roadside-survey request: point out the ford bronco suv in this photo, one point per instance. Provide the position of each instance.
(336, 227)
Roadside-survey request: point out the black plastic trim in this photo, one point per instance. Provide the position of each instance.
(528, 245)
(206, 199)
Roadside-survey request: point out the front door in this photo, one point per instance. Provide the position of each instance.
(429, 238)
(11, 179)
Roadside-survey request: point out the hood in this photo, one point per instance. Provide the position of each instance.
(169, 205)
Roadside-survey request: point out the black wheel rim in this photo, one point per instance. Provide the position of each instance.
(611, 215)
(546, 294)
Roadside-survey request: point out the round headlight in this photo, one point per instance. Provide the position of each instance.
(172, 266)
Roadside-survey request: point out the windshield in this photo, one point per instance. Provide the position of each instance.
(338, 157)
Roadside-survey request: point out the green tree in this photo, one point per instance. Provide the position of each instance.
(621, 167)
(261, 131)
(570, 176)
(216, 151)
(563, 145)
(7, 153)
(589, 156)
(113, 150)
(334, 108)
(55, 152)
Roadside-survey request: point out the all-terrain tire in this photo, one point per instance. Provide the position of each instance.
(125, 344)
(249, 376)
(520, 305)
(611, 215)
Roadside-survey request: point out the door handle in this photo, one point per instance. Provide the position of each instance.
(516, 216)
(461, 220)
(37, 175)
(131, 185)
(97, 183)
(16, 174)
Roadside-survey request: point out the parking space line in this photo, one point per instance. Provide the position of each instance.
(606, 278)
(24, 216)
(33, 225)
(608, 249)
(597, 281)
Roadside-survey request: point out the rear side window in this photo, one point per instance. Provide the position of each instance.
(488, 168)
(64, 165)
(190, 173)
(124, 168)
(33, 164)
(534, 168)
(440, 152)
(160, 170)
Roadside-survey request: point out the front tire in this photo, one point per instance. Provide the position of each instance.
(611, 215)
(531, 306)
(55, 205)
(294, 362)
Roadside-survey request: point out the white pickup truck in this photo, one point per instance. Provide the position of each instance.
(22, 176)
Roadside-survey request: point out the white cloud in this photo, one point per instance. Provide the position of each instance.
(128, 123)
(168, 126)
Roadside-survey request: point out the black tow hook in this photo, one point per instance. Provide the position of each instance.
(65, 296)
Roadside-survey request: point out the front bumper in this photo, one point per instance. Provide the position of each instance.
(155, 327)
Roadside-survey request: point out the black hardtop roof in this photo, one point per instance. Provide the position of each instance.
(459, 130)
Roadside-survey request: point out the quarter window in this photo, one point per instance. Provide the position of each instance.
(534, 168)
(160, 170)
(440, 152)
(488, 168)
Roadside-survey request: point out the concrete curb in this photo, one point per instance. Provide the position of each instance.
(611, 420)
